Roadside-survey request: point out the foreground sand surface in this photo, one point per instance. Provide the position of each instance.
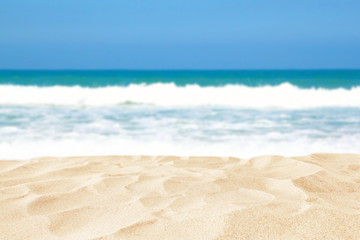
(166, 197)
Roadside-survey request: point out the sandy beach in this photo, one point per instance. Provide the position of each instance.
(167, 197)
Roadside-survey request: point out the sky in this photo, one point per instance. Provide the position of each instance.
(179, 34)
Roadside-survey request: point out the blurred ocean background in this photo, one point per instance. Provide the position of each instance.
(222, 113)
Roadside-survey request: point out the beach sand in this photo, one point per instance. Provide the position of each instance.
(167, 197)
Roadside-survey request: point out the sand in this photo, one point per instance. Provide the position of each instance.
(167, 197)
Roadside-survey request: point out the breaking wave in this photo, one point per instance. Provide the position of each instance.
(168, 94)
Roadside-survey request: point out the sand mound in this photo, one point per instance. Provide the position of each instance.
(167, 197)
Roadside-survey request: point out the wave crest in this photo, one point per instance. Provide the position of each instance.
(168, 94)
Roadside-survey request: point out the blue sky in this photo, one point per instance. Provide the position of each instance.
(179, 34)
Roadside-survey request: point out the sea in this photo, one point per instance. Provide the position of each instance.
(208, 113)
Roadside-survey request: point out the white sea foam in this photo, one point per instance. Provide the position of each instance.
(243, 147)
(281, 96)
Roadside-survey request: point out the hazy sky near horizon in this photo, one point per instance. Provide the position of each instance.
(179, 34)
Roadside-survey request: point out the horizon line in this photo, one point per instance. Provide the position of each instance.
(180, 69)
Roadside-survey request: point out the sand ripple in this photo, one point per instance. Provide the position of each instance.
(168, 197)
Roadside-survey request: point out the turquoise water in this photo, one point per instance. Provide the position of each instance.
(223, 113)
(328, 79)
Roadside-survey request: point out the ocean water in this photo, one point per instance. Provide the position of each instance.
(222, 113)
